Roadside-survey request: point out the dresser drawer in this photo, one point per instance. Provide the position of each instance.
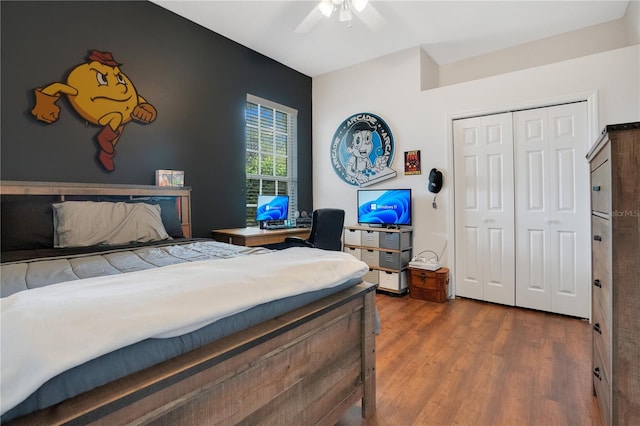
(352, 236)
(370, 238)
(602, 386)
(395, 240)
(393, 259)
(372, 276)
(601, 240)
(603, 155)
(602, 338)
(600, 188)
(355, 252)
(601, 289)
(395, 281)
(370, 257)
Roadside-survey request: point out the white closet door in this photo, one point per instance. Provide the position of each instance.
(484, 199)
(552, 209)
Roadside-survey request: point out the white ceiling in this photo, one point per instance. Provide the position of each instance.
(448, 31)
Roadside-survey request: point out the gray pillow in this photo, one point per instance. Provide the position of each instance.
(89, 223)
(168, 213)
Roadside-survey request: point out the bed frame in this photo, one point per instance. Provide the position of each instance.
(308, 366)
(64, 189)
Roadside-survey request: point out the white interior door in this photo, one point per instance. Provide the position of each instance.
(552, 209)
(484, 213)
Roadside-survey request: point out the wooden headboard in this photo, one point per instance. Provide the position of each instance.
(63, 189)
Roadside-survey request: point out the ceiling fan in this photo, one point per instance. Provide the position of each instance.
(345, 9)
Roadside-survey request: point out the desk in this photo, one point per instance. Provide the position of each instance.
(251, 237)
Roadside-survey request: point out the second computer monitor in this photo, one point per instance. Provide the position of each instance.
(272, 207)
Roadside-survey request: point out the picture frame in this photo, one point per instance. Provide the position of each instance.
(170, 178)
(412, 165)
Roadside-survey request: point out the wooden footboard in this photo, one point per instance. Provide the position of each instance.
(306, 367)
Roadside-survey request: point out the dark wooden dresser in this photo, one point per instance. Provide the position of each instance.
(615, 227)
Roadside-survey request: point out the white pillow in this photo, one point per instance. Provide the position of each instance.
(89, 223)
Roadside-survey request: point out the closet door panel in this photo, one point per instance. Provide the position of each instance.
(567, 263)
(570, 211)
(534, 186)
(471, 264)
(556, 137)
(532, 286)
(498, 286)
(468, 235)
(495, 194)
(483, 169)
(471, 184)
(565, 185)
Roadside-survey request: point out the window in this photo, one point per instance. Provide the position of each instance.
(271, 142)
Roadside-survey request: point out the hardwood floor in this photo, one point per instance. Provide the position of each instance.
(466, 362)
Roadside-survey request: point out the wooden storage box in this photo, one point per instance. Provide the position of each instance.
(432, 286)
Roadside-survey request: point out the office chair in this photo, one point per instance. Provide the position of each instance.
(326, 232)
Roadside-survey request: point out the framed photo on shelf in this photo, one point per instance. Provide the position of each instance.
(177, 178)
(170, 177)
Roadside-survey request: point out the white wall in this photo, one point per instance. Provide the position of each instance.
(601, 38)
(390, 88)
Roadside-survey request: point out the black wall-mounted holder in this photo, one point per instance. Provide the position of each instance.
(435, 184)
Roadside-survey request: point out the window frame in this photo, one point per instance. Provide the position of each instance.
(291, 156)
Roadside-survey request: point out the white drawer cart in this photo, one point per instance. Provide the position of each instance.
(386, 251)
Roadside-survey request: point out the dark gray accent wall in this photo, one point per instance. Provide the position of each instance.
(195, 78)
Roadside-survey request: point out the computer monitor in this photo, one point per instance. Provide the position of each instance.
(272, 207)
(384, 207)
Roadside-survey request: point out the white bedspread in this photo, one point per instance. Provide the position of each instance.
(48, 330)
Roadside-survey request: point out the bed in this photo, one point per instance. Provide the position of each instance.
(303, 357)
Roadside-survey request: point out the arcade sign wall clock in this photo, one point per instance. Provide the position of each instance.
(362, 150)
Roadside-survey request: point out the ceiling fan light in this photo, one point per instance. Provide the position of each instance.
(326, 7)
(345, 15)
(359, 5)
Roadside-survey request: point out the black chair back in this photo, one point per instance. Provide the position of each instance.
(326, 229)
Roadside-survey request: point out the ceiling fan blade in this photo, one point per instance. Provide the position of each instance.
(309, 21)
(371, 18)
